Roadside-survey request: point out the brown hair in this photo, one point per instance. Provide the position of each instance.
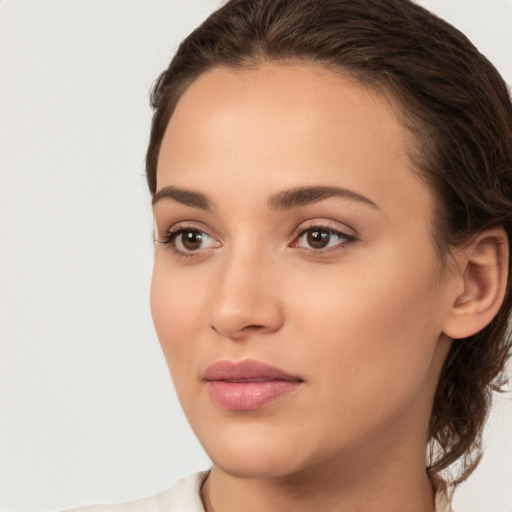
(456, 105)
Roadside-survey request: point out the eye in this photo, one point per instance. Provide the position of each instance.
(187, 240)
(319, 238)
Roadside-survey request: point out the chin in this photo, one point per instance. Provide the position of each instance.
(254, 456)
(243, 465)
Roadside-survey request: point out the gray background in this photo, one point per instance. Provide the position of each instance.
(88, 413)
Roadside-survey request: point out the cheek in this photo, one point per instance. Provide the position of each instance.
(375, 321)
(176, 306)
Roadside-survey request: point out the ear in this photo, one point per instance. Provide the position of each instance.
(482, 271)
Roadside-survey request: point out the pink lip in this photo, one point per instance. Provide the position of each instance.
(247, 385)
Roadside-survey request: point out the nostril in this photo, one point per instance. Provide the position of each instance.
(238, 333)
(253, 327)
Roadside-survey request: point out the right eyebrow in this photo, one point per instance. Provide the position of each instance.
(186, 197)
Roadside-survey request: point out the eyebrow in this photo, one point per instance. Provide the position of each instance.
(284, 200)
(302, 196)
(186, 197)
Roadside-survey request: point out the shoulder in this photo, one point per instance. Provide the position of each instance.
(184, 496)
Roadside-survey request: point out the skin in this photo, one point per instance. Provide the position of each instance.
(362, 323)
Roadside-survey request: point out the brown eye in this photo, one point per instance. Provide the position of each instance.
(186, 241)
(318, 238)
(191, 240)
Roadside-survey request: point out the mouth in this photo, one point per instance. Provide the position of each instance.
(248, 385)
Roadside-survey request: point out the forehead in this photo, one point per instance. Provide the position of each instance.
(300, 95)
(286, 126)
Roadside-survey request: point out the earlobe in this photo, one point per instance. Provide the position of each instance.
(483, 269)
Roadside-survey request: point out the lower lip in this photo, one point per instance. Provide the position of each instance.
(248, 396)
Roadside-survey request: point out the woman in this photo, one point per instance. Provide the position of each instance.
(332, 191)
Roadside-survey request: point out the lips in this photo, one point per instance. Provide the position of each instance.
(248, 384)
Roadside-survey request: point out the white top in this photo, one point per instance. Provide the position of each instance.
(184, 496)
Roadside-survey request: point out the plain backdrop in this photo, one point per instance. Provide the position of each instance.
(88, 413)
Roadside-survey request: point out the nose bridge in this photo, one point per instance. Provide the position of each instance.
(246, 298)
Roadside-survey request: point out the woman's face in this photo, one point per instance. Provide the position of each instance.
(296, 293)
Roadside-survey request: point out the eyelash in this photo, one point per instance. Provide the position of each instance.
(169, 239)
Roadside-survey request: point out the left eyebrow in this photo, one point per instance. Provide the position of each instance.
(302, 196)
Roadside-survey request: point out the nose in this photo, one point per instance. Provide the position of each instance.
(246, 300)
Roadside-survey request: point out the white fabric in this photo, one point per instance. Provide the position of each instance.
(184, 496)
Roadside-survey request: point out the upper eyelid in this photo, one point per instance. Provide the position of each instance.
(191, 225)
(176, 228)
(324, 228)
(326, 224)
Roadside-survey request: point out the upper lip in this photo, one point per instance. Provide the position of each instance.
(246, 370)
